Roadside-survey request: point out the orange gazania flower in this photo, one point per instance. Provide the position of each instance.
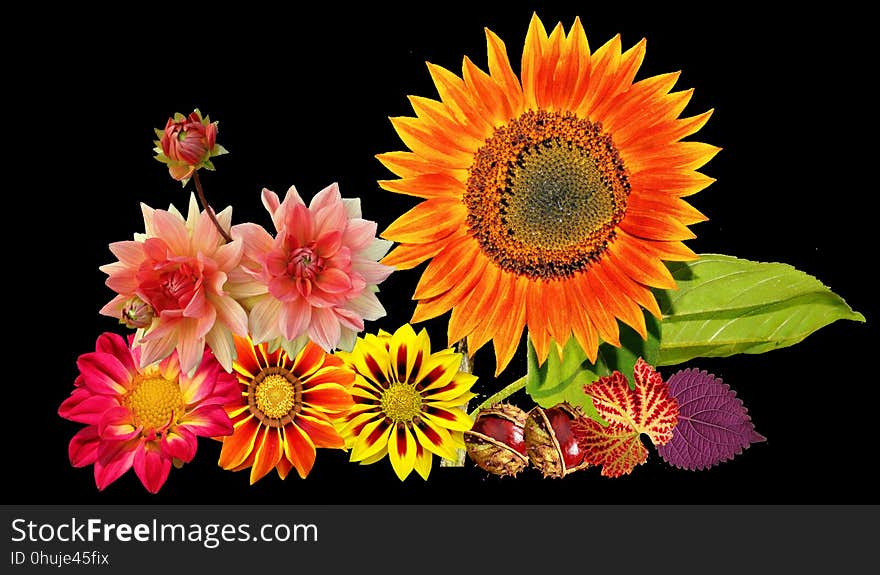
(552, 199)
(286, 409)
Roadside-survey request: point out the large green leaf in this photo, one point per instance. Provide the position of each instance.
(558, 380)
(725, 305)
(563, 379)
(632, 347)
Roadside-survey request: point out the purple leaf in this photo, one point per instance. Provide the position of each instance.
(713, 425)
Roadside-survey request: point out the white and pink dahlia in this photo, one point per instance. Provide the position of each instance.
(185, 271)
(316, 279)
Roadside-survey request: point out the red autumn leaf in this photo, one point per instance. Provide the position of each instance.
(648, 409)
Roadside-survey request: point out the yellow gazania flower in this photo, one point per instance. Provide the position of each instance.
(408, 402)
(552, 199)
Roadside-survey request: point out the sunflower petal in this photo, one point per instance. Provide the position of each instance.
(441, 120)
(426, 186)
(602, 317)
(536, 39)
(408, 256)
(476, 307)
(455, 95)
(487, 93)
(510, 327)
(408, 165)
(447, 267)
(640, 266)
(422, 140)
(430, 221)
(501, 72)
(432, 307)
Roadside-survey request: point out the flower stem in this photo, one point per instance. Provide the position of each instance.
(502, 394)
(205, 206)
(467, 366)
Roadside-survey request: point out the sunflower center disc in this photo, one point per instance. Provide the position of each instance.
(275, 394)
(545, 194)
(401, 402)
(154, 401)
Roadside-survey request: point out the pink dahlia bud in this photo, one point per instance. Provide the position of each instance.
(187, 144)
(136, 313)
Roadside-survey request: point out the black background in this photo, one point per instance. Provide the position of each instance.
(303, 98)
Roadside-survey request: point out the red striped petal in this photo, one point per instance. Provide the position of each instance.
(240, 444)
(320, 430)
(328, 397)
(299, 449)
(267, 453)
(308, 360)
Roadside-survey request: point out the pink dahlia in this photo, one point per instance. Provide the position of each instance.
(186, 272)
(316, 279)
(146, 418)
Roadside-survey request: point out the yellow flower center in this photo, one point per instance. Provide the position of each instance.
(401, 402)
(154, 401)
(545, 194)
(275, 396)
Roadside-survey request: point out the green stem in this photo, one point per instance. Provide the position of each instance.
(501, 394)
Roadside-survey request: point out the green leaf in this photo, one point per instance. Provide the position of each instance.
(559, 380)
(725, 305)
(632, 347)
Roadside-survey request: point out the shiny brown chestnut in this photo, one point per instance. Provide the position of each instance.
(550, 445)
(496, 442)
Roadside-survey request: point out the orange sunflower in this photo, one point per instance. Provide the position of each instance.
(286, 409)
(552, 199)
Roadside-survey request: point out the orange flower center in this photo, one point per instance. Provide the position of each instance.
(275, 396)
(545, 194)
(402, 403)
(154, 402)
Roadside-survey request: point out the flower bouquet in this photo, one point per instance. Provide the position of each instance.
(553, 210)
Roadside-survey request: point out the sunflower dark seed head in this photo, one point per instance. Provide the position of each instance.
(496, 442)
